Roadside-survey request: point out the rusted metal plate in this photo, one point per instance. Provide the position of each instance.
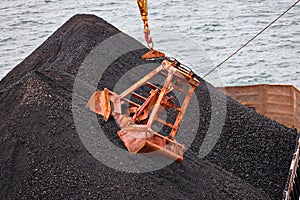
(141, 139)
(278, 102)
(133, 139)
(153, 54)
(100, 103)
(250, 96)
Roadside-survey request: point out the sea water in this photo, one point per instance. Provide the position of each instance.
(199, 33)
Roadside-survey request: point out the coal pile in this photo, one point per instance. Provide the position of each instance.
(42, 156)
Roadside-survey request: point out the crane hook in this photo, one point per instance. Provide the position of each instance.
(143, 6)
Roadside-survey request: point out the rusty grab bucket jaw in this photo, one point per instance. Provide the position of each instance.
(99, 103)
(142, 139)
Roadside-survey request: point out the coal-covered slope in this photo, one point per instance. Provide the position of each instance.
(42, 155)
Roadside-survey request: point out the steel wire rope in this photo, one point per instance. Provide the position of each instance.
(244, 45)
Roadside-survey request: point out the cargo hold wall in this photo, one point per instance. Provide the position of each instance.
(278, 102)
